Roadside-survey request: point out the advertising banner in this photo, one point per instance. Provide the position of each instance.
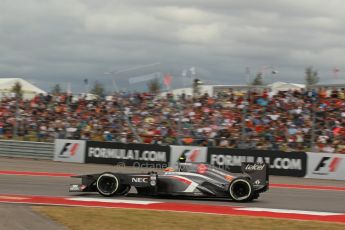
(280, 163)
(138, 155)
(190, 153)
(69, 150)
(326, 166)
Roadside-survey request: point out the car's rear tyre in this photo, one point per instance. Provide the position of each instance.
(107, 184)
(241, 190)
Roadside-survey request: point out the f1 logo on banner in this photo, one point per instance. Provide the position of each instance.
(69, 150)
(327, 165)
(189, 153)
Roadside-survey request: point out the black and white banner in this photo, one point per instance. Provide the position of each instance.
(281, 163)
(326, 166)
(296, 164)
(139, 155)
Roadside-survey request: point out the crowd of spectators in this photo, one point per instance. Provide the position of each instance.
(257, 119)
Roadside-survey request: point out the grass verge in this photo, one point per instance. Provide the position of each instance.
(81, 218)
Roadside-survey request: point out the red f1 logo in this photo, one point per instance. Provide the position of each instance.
(327, 165)
(193, 155)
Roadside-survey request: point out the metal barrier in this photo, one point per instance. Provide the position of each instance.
(27, 149)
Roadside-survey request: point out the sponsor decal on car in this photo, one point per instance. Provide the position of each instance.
(228, 178)
(254, 167)
(76, 187)
(140, 180)
(202, 168)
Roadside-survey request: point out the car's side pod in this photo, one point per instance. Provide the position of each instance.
(258, 173)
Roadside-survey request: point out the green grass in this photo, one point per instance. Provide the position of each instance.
(81, 218)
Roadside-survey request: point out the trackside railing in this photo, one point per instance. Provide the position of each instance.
(27, 149)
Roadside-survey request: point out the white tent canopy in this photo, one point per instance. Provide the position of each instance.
(283, 86)
(29, 90)
(212, 89)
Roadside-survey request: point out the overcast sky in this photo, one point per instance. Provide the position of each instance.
(61, 41)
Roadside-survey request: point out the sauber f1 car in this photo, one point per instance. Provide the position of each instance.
(189, 179)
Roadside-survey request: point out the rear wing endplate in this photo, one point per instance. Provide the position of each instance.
(258, 173)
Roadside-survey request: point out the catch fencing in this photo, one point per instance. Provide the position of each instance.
(27, 149)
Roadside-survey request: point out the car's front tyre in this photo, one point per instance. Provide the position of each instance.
(107, 184)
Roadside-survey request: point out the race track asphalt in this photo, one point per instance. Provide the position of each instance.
(280, 198)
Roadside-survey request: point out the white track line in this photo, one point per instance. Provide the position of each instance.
(289, 211)
(144, 202)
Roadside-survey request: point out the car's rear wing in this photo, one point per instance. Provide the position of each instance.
(258, 173)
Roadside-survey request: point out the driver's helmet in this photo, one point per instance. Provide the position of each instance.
(182, 159)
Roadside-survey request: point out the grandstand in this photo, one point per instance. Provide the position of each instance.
(230, 117)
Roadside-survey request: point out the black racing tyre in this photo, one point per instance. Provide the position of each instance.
(241, 190)
(108, 184)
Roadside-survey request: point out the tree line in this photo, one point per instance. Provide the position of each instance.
(154, 86)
